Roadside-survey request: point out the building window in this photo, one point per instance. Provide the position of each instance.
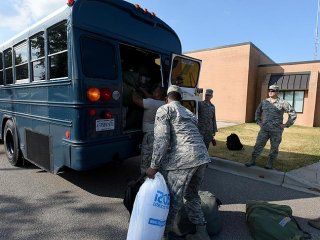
(58, 53)
(295, 98)
(37, 57)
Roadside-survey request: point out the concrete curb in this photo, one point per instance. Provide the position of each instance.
(270, 176)
(292, 181)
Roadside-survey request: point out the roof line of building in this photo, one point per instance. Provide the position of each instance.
(289, 63)
(214, 48)
(231, 45)
(252, 44)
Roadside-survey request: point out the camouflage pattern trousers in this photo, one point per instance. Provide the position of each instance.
(146, 151)
(185, 183)
(264, 135)
(207, 138)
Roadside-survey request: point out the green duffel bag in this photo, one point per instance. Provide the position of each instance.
(210, 207)
(268, 221)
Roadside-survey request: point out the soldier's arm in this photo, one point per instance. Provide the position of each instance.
(137, 99)
(292, 114)
(258, 114)
(161, 137)
(214, 121)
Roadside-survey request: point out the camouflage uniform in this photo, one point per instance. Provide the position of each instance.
(207, 121)
(270, 115)
(150, 108)
(146, 151)
(180, 151)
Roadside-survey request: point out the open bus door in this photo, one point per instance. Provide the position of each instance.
(185, 73)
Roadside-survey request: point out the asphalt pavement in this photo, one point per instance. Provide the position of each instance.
(35, 204)
(234, 191)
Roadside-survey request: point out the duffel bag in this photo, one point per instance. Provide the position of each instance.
(210, 206)
(273, 222)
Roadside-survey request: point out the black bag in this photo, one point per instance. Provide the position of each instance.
(233, 142)
(131, 192)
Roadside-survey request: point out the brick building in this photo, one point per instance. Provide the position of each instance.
(240, 75)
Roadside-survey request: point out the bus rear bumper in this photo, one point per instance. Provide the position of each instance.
(97, 155)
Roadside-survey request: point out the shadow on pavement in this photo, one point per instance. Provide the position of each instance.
(23, 219)
(108, 181)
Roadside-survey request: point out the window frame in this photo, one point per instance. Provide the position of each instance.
(1, 69)
(283, 92)
(8, 68)
(18, 46)
(49, 55)
(37, 59)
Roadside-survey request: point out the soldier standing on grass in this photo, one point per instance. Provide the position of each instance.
(269, 116)
(207, 118)
(180, 152)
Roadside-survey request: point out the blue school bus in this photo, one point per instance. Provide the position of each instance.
(66, 83)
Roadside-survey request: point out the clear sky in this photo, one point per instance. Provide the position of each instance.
(282, 29)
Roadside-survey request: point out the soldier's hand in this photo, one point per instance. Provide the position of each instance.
(282, 126)
(151, 172)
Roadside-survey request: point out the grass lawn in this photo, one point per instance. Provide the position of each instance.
(300, 146)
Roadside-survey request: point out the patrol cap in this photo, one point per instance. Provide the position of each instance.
(274, 87)
(174, 88)
(209, 92)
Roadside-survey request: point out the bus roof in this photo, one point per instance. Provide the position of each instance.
(116, 18)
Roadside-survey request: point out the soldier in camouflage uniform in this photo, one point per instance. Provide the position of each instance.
(269, 115)
(150, 104)
(180, 151)
(207, 118)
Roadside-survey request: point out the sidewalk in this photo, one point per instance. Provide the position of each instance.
(305, 179)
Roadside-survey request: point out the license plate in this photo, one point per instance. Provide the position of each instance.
(104, 124)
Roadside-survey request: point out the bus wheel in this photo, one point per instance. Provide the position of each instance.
(11, 144)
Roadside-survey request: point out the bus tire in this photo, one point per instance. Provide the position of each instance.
(11, 144)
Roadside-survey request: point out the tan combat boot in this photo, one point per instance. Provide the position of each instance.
(201, 233)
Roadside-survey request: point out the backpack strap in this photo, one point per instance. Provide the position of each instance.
(306, 235)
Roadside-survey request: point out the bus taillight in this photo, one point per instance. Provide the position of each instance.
(67, 134)
(92, 112)
(93, 94)
(106, 94)
(70, 3)
(108, 115)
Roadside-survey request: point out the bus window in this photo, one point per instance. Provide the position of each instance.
(1, 70)
(98, 59)
(58, 54)
(8, 66)
(21, 61)
(185, 72)
(37, 57)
